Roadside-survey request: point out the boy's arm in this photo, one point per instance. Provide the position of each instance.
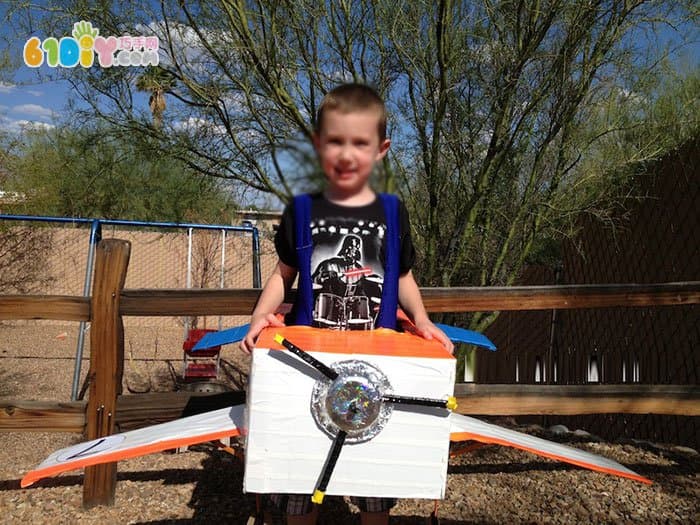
(270, 299)
(412, 303)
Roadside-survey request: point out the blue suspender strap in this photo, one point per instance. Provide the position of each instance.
(390, 289)
(303, 306)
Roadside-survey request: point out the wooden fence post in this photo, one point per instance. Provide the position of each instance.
(106, 363)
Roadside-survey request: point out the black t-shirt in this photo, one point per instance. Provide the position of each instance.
(347, 263)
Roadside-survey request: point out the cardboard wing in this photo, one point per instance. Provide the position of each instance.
(200, 428)
(468, 428)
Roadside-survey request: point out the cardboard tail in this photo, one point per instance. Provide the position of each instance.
(465, 428)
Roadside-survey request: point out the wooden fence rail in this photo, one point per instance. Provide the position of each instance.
(136, 411)
(106, 408)
(52, 307)
(164, 302)
(571, 400)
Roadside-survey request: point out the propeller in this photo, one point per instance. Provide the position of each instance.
(355, 403)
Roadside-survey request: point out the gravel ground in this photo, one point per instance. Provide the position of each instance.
(203, 485)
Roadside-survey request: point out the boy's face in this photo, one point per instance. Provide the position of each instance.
(348, 145)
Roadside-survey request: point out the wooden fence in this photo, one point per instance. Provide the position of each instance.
(106, 408)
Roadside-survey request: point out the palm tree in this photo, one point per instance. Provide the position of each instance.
(156, 81)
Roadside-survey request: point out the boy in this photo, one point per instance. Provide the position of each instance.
(351, 247)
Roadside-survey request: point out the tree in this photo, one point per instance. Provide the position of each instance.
(23, 250)
(497, 107)
(157, 82)
(100, 173)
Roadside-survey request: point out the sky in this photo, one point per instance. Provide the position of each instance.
(27, 101)
(20, 106)
(33, 102)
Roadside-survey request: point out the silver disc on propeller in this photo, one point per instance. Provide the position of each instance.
(353, 401)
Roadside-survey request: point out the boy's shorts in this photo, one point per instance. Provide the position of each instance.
(300, 504)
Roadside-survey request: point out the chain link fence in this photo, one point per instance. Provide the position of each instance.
(54, 259)
(173, 259)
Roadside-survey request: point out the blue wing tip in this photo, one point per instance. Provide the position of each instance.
(223, 337)
(462, 335)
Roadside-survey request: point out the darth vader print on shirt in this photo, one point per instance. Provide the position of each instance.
(347, 272)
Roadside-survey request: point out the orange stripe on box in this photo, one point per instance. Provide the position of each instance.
(381, 341)
(119, 455)
(464, 436)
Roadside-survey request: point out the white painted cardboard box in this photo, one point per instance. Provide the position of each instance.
(286, 450)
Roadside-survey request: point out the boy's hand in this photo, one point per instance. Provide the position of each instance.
(427, 330)
(257, 323)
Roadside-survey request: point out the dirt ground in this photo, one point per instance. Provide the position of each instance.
(203, 485)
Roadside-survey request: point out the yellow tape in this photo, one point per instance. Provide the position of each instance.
(451, 403)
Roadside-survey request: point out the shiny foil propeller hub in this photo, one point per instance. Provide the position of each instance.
(352, 402)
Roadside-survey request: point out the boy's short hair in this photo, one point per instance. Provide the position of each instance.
(351, 97)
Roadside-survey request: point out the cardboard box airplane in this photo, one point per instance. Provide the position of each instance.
(360, 413)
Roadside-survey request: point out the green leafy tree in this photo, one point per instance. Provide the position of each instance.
(98, 173)
(23, 250)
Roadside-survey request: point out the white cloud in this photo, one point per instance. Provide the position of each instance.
(195, 124)
(235, 102)
(6, 88)
(341, 76)
(186, 44)
(626, 95)
(34, 110)
(22, 125)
